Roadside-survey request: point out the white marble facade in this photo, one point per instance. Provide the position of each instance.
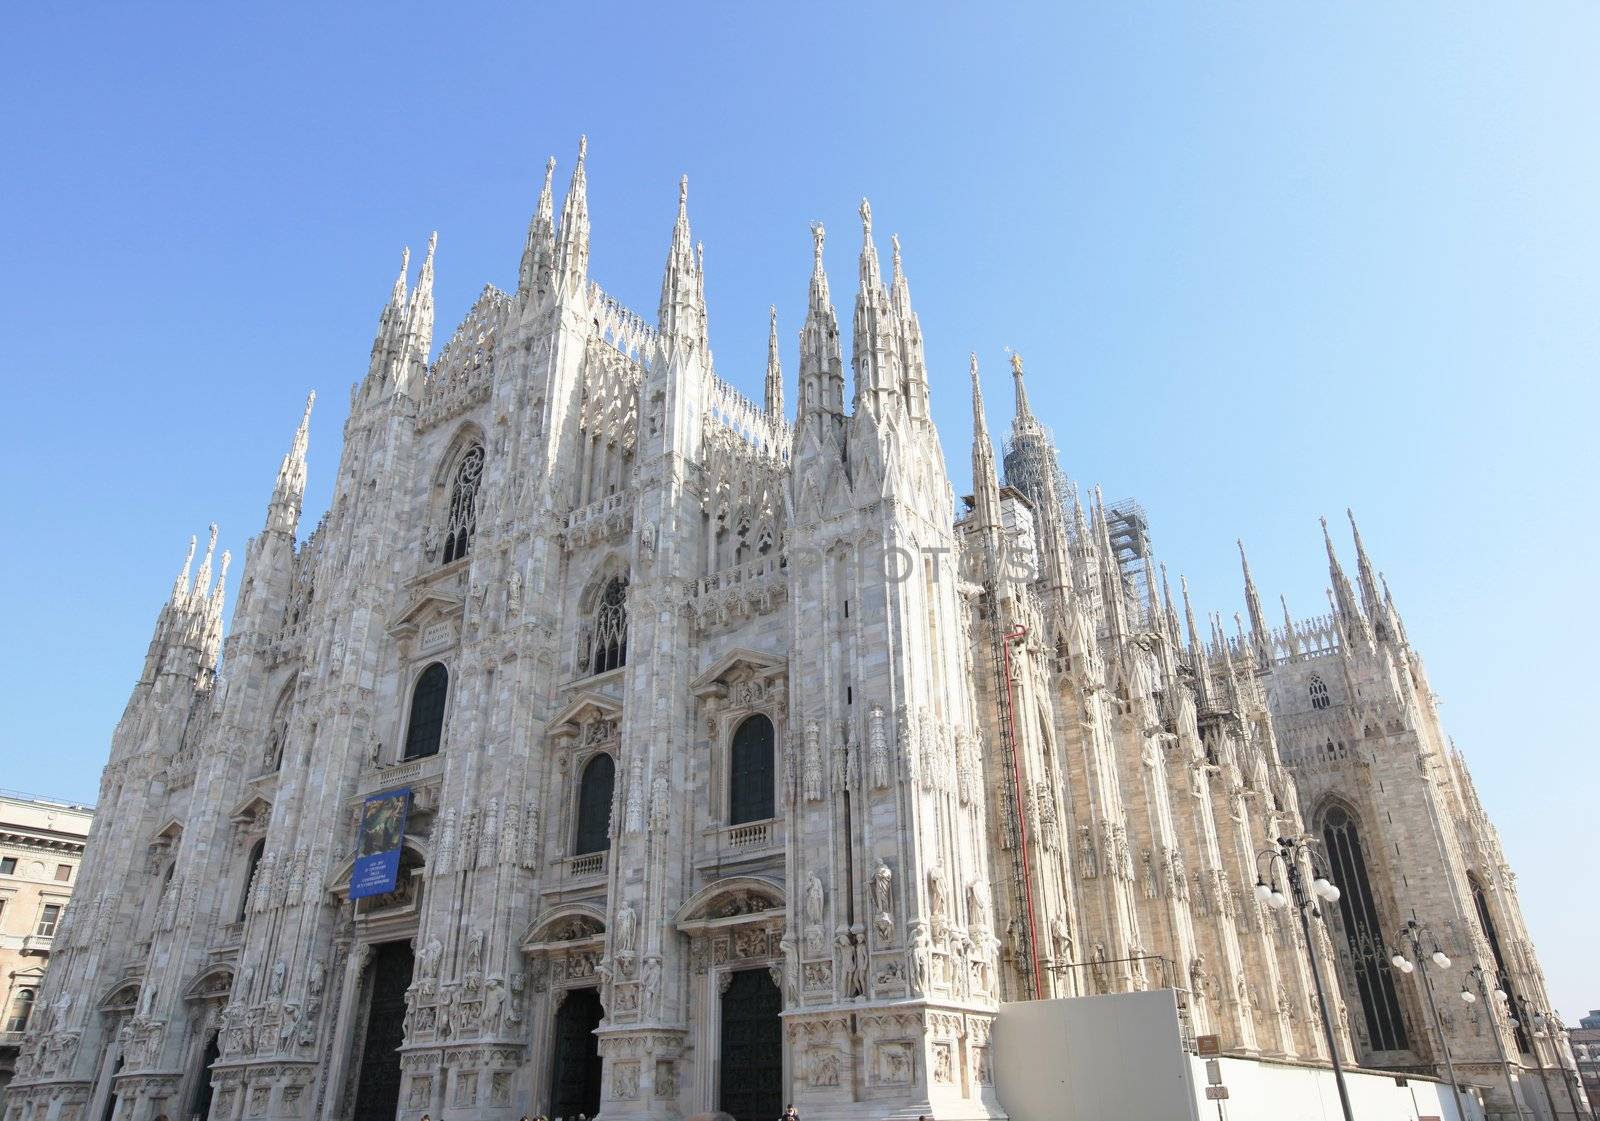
(995, 765)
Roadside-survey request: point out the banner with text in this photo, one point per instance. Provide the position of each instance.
(383, 830)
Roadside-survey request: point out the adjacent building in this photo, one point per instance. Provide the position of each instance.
(1585, 1041)
(741, 764)
(41, 845)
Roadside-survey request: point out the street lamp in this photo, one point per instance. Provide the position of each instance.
(1536, 1021)
(1477, 974)
(1412, 932)
(1283, 863)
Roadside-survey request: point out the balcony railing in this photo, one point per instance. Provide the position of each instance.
(589, 864)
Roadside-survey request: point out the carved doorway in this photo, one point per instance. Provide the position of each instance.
(751, 1081)
(378, 1084)
(575, 1072)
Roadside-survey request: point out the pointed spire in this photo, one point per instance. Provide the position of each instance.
(202, 579)
(821, 360)
(1024, 413)
(283, 511)
(1370, 598)
(913, 363)
(985, 480)
(572, 242)
(397, 297)
(1394, 612)
(1259, 635)
(419, 313)
(180, 586)
(681, 313)
(774, 367)
(1197, 648)
(539, 252)
(1166, 601)
(1344, 597)
(1290, 639)
(875, 353)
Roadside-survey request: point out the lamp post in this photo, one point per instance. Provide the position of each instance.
(1556, 1042)
(1535, 1022)
(1284, 860)
(1478, 975)
(1412, 932)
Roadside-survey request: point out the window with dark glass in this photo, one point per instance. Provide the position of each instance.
(21, 1010)
(1363, 932)
(1486, 923)
(249, 877)
(426, 725)
(63, 873)
(1319, 693)
(8, 866)
(462, 520)
(750, 778)
(49, 916)
(609, 642)
(594, 806)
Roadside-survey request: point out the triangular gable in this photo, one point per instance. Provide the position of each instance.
(585, 707)
(761, 665)
(254, 806)
(430, 598)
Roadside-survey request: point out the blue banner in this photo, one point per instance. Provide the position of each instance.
(378, 844)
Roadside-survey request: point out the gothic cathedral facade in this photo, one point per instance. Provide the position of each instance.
(743, 767)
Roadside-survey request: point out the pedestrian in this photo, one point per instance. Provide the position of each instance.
(789, 1113)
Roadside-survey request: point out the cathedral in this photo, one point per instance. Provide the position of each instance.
(617, 744)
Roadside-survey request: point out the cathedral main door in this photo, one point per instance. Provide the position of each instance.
(378, 1084)
(752, 1047)
(575, 1073)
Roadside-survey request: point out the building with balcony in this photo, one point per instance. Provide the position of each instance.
(41, 843)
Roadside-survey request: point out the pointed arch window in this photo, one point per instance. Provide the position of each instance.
(1363, 931)
(277, 733)
(250, 867)
(462, 521)
(750, 772)
(426, 725)
(1319, 693)
(609, 642)
(1480, 901)
(595, 790)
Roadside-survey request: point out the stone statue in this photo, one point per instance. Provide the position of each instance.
(882, 889)
(814, 900)
(622, 939)
(937, 894)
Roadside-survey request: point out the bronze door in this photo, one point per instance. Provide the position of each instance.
(378, 1085)
(752, 1047)
(575, 1072)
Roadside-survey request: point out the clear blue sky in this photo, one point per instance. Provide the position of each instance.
(1264, 261)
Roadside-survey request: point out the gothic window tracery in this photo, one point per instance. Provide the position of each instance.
(1363, 931)
(426, 725)
(462, 520)
(750, 771)
(1319, 693)
(1480, 900)
(595, 789)
(608, 638)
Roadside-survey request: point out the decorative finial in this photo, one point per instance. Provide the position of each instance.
(1016, 363)
(894, 241)
(818, 232)
(549, 170)
(583, 147)
(972, 364)
(866, 217)
(433, 243)
(683, 190)
(772, 313)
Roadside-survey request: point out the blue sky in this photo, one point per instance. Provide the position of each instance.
(1264, 261)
